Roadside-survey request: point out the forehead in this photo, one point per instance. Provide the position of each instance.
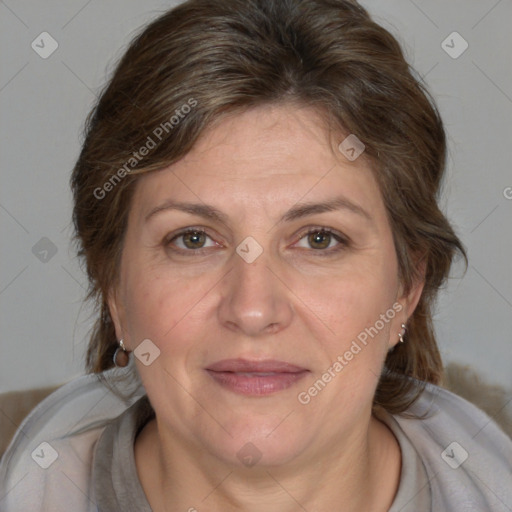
(268, 157)
(266, 141)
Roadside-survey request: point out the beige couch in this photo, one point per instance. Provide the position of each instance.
(14, 406)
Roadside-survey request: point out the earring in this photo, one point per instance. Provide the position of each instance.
(401, 335)
(121, 355)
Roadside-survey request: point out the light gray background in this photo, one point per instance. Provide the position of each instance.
(44, 103)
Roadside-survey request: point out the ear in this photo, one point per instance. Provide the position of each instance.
(409, 300)
(116, 312)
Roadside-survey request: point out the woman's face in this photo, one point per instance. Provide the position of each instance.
(262, 269)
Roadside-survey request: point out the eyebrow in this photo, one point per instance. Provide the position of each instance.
(338, 203)
(201, 210)
(296, 212)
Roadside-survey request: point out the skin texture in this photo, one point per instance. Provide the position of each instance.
(294, 303)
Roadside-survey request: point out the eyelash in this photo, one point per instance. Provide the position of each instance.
(343, 241)
(168, 240)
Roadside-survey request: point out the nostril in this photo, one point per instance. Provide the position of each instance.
(273, 328)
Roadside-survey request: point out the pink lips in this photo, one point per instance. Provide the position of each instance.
(255, 377)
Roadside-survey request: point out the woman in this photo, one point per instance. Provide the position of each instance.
(255, 202)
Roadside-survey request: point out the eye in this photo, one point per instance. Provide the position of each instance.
(191, 239)
(322, 239)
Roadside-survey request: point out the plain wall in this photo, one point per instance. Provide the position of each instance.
(43, 105)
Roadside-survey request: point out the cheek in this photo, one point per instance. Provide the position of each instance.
(159, 305)
(343, 388)
(352, 299)
(357, 313)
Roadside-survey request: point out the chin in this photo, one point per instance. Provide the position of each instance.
(259, 442)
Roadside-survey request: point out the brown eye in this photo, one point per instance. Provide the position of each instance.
(319, 239)
(324, 241)
(191, 241)
(194, 239)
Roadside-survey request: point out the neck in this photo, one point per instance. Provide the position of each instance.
(362, 474)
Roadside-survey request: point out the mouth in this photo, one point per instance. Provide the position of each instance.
(256, 378)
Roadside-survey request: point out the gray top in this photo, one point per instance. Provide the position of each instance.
(114, 475)
(76, 449)
(117, 487)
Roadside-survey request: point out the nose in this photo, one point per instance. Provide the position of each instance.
(255, 301)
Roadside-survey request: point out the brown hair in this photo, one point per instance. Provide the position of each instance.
(206, 59)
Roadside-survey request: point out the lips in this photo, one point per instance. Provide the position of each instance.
(244, 365)
(258, 378)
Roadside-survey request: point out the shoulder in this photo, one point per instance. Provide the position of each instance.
(440, 410)
(468, 458)
(54, 446)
